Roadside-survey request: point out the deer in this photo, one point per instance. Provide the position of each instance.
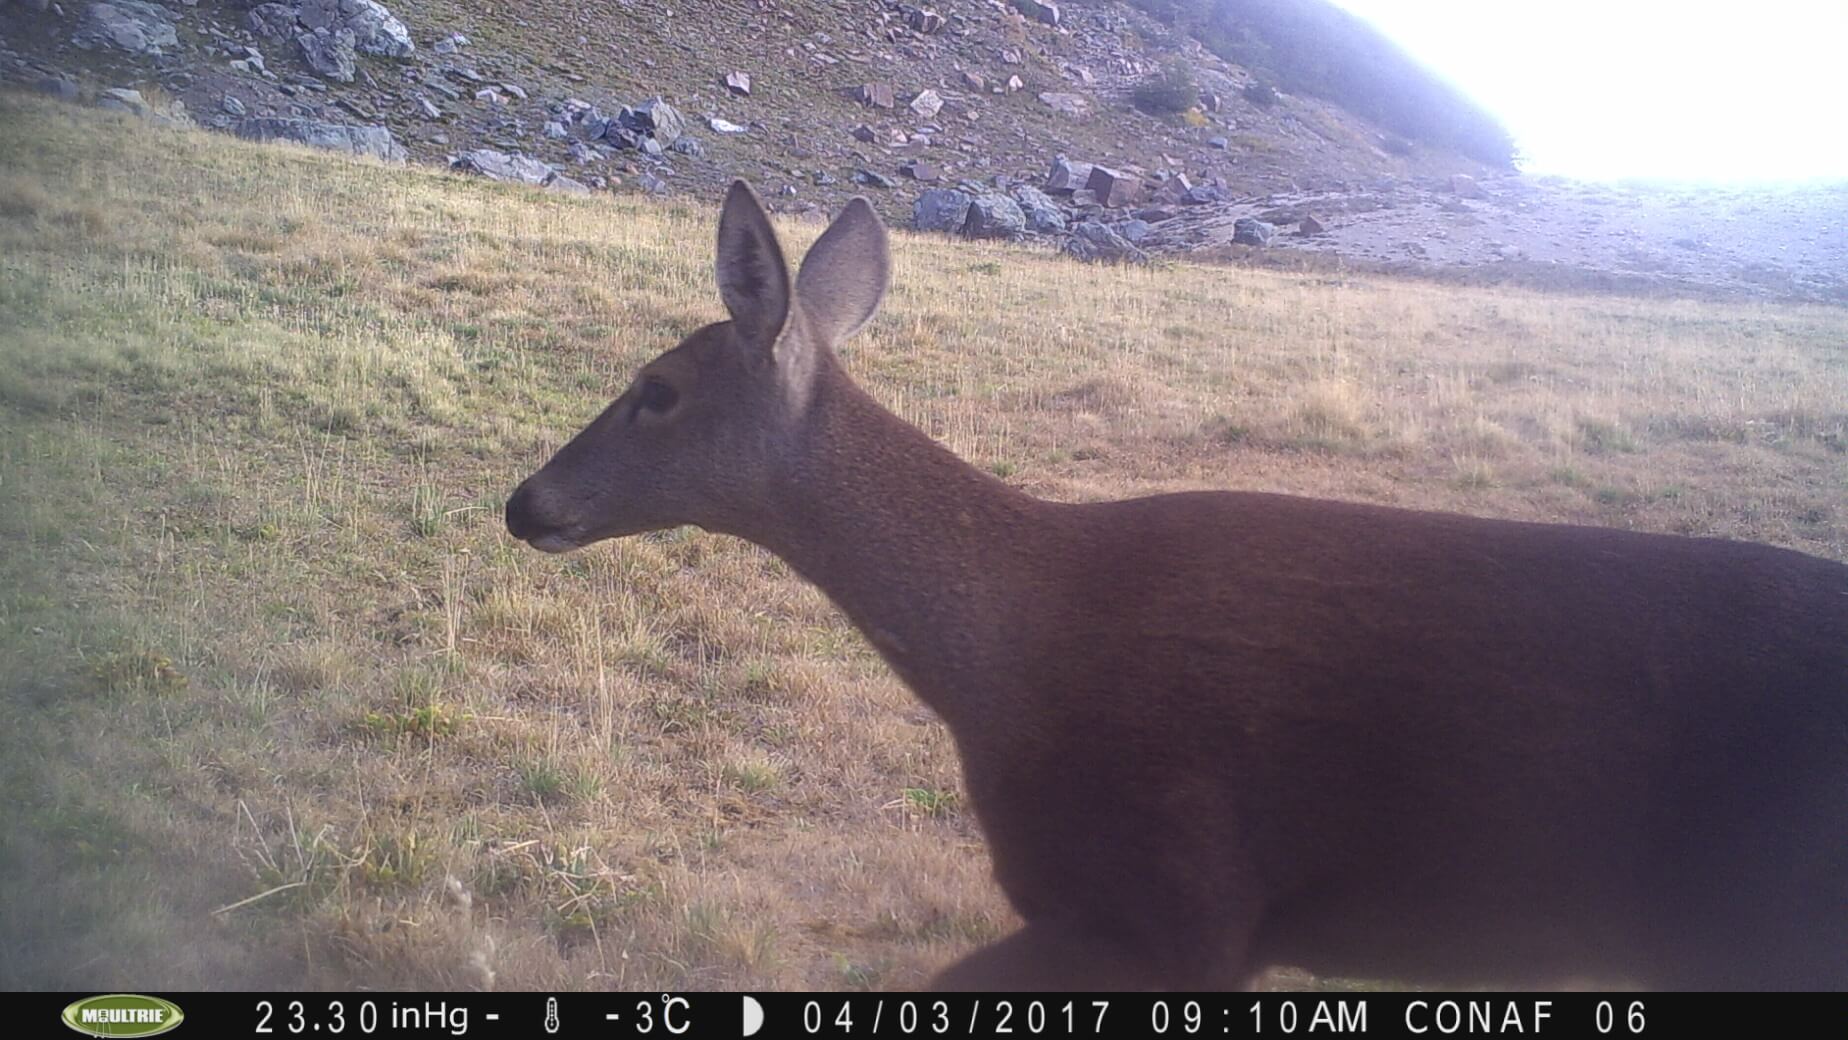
(1208, 733)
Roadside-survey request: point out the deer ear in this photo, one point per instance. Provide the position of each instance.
(844, 275)
(753, 278)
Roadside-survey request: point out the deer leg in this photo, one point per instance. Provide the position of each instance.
(1060, 955)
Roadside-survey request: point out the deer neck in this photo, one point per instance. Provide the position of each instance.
(919, 549)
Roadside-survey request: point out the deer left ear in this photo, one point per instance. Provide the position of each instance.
(844, 275)
(753, 277)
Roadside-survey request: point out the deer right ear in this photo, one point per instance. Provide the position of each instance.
(753, 277)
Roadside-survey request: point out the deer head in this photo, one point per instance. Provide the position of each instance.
(706, 430)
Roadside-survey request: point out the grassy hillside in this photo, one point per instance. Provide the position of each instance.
(280, 702)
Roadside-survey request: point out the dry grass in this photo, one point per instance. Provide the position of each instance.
(281, 703)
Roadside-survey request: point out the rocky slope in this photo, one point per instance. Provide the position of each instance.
(951, 117)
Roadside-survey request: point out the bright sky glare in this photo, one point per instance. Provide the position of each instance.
(1604, 89)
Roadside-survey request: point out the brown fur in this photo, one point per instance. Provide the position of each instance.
(1206, 733)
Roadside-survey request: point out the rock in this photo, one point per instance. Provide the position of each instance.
(514, 89)
(1463, 186)
(1043, 215)
(873, 179)
(1094, 242)
(864, 133)
(1074, 105)
(1067, 176)
(657, 118)
(490, 96)
(974, 81)
(1210, 102)
(1155, 214)
(1083, 198)
(1134, 230)
(375, 141)
(1174, 188)
(428, 108)
(444, 46)
(875, 95)
(232, 105)
(927, 104)
(687, 145)
(1220, 143)
(1309, 226)
(560, 182)
(724, 126)
(1039, 11)
(919, 170)
(1113, 189)
(1014, 83)
(994, 216)
(1251, 231)
(581, 152)
(555, 130)
(1011, 56)
(57, 86)
(821, 178)
(651, 147)
(500, 166)
(375, 30)
(1202, 194)
(940, 209)
(127, 25)
(738, 83)
(122, 99)
(924, 20)
(329, 53)
(651, 184)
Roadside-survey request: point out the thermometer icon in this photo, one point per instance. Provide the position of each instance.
(551, 1014)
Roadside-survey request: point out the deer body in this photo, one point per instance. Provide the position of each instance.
(1209, 732)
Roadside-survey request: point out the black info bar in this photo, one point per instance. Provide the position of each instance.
(1424, 1016)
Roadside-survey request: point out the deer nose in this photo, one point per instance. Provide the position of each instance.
(521, 523)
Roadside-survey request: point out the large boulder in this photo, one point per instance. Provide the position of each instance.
(1067, 176)
(1113, 188)
(1134, 230)
(329, 52)
(1251, 231)
(375, 30)
(272, 21)
(657, 118)
(940, 209)
(1094, 241)
(123, 99)
(1039, 11)
(1043, 215)
(375, 141)
(994, 216)
(875, 95)
(127, 25)
(524, 169)
(927, 104)
(501, 166)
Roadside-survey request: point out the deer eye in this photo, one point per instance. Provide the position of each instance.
(656, 396)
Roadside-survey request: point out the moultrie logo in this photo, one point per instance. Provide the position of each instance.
(123, 1014)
